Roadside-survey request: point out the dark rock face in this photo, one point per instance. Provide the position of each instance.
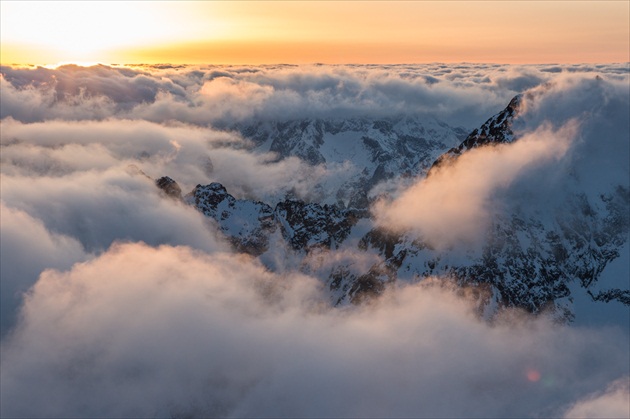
(380, 148)
(248, 224)
(496, 130)
(307, 225)
(301, 139)
(528, 264)
(524, 262)
(169, 187)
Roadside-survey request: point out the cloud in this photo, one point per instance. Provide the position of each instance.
(57, 148)
(456, 202)
(222, 95)
(123, 302)
(572, 138)
(123, 86)
(98, 208)
(28, 249)
(461, 95)
(289, 92)
(614, 402)
(189, 154)
(143, 331)
(37, 103)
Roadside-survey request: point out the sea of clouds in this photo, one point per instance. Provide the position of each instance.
(118, 301)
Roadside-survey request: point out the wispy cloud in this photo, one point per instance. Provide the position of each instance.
(457, 201)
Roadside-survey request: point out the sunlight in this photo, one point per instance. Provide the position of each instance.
(91, 31)
(224, 32)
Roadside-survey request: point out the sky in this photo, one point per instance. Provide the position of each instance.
(314, 32)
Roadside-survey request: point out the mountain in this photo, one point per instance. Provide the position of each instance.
(538, 256)
(496, 130)
(249, 224)
(362, 152)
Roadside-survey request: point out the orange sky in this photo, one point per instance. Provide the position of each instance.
(306, 32)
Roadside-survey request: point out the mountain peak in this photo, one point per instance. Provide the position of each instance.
(169, 187)
(496, 130)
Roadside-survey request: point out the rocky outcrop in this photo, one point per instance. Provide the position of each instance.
(248, 224)
(169, 187)
(496, 130)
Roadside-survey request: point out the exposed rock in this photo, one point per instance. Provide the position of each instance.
(169, 187)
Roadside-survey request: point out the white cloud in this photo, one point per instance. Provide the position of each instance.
(98, 208)
(189, 154)
(178, 325)
(456, 202)
(143, 331)
(27, 249)
(614, 402)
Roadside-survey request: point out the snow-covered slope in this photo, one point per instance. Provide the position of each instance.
(361, 152)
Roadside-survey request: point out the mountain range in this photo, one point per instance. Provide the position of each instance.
(535, 255)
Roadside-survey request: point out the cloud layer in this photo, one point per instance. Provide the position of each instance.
(119, 301)
(464, 94)
(143, 331)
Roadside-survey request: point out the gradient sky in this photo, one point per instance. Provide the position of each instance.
(306, 32)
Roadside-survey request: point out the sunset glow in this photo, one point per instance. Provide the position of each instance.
(307, 32)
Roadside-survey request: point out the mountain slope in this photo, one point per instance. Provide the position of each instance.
(556, 231)
(362, 152)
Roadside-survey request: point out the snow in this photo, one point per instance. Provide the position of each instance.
(345, 146)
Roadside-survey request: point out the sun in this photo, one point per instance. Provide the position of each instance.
(81, 31)
(73, 31)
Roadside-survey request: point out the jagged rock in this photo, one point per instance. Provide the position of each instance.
(528, 264)
(169, 187)
(307, 225)
(496, 130)
(247, 224)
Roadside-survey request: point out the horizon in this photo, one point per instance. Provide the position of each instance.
(53, 66)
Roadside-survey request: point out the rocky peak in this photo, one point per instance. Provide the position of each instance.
(371, 150)
(496, 130)
(169, 187)
(208, 197)
(525, 261)
(247, 224)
